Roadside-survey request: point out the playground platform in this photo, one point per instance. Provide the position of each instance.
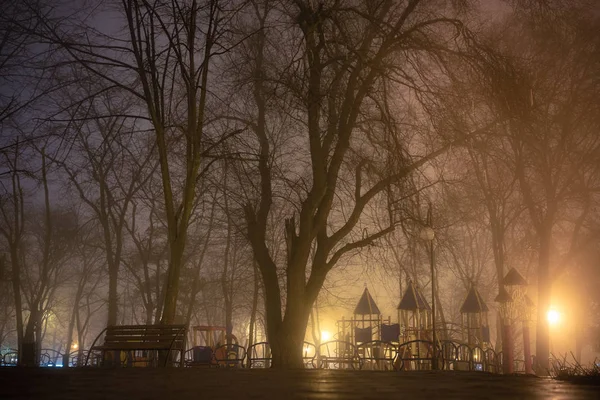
(220, 383)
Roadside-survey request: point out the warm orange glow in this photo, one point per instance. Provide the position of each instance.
(308, 351)
(75, 346)
(553, 317)
(325, 336)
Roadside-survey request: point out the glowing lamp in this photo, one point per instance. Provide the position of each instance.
(553, 317)
(325, 336)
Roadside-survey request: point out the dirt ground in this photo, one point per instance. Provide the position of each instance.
(190, 383)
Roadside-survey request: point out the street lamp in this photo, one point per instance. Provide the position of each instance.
(428, 234)
(553, 317)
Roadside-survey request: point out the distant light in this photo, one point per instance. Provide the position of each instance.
(75, 346)
(308, 351)
(325, 336)
(553, 317)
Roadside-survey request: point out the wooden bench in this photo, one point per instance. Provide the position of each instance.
(148, 338)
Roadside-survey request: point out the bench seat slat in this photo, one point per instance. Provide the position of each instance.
(136, 346)
(147, 338)
(138, 327)
(156, 343)
(144, 332)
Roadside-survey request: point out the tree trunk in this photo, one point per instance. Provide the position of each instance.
(113, 299)
(28, 356)
(16, 283)
(72, 321)
(542, 345)
(288, 341)
(67, 354)
(172, 288)
(252, 326)
(39, 335)
(225, 284)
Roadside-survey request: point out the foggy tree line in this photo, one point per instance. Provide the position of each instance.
(217, 161)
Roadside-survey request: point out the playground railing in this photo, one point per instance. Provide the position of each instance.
(500, 360)
(414, 355)
(338, 354)
(259, 355)
(449, 354)
(230, 355)
(10, 358)
(478, 360)
(309, 355)
(377, 355)
(491, 361)
(199, 356)
(464, 357)
(50, 357)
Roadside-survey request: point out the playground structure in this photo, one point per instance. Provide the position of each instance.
(414, 320)
(367, 340)
(414, 315)
(367, 324)
(374, 339)
(474, 317)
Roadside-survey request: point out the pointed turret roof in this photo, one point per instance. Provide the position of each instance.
(366, 305)
(514, 278)
(503, 297)
(413, 299)
(473, 303)
(528, 302)
(423, 304)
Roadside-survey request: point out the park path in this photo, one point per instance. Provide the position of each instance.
(198, 384)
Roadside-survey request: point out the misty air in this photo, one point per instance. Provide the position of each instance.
(299, 198)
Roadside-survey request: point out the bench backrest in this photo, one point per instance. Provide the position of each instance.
(171, 335)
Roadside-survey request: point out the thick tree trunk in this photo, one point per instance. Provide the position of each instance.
(16, 284)
(113, 299)
(72, 321)
(27, 357)
(80, 339)
(172, 287)
(252, 328)
(288, 341)
(67, 355)
(39, 337)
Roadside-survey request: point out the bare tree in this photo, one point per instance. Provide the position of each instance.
(85, 273)
(162, 60)
(325, 101)
(12, 228)
(106, 164)
(553, 137)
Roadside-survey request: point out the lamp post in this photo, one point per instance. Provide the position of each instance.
(428, 234)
